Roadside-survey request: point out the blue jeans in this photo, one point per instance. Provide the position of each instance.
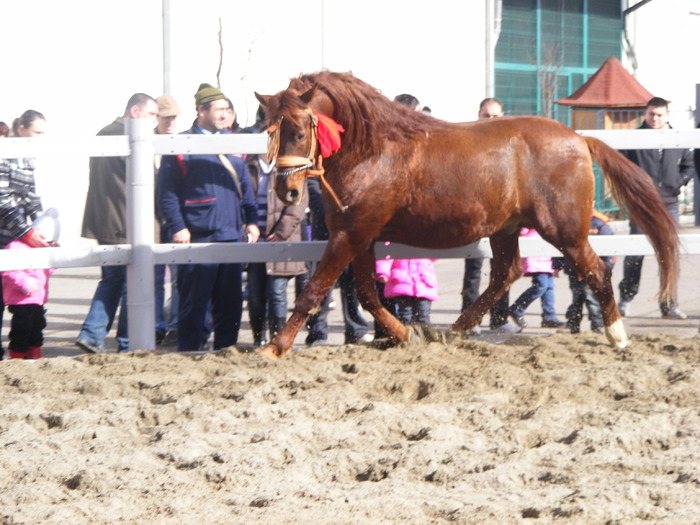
(542, 287)
(161, 321)
(267, 297)
(411, 310)
(109, 295)
(166, 323)
(632, 264)
(174, 298)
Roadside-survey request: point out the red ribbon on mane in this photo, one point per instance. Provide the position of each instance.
(328, 135)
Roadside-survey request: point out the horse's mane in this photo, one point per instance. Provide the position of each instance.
(369, 118)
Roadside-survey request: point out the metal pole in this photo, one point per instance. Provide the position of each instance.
(167, 73)
(696, 181)
(140, 233)
(490, 50)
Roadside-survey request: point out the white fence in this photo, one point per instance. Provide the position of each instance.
(140, 145)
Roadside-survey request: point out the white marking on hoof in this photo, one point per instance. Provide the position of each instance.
(617, 335)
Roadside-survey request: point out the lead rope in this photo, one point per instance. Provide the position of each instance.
(319, 171)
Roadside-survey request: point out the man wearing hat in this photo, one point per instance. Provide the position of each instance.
(168, 111)
(166, 327)
(208, 198)
(105, 221)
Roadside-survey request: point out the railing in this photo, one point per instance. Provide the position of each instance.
(140, 254)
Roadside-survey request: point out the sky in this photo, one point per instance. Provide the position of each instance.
(78, 61)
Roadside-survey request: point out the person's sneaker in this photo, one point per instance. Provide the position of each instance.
(597, 329)
(317, 342)
(89, 347)
(674, 313)
(518, 320)
(552, 323)
(365, 339)
(507, 328)
(170, 338)
(623, 307)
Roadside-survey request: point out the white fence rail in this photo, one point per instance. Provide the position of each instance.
(121, 254)
(141, 254)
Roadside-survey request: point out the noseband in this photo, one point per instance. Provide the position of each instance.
(290, 164)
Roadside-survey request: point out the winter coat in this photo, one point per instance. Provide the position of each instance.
(533, 265)
(409, 278)
(204, 197)
(19, 203)
(669, 170)
(283, 220)
(25, 286)
(105, 207)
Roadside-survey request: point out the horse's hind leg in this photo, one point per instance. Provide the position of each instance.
(364, 268)
(586, 263)
(336, 257)
(505, 269)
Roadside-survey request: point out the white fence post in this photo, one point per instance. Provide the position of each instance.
(140, 231)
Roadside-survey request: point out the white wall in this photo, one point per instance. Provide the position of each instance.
(666, 37)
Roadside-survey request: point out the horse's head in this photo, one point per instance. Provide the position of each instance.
(292, 141)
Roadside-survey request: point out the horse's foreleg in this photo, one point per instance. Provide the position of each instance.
(505, 269)
(364, 268)
(586, 263)
(336, 257)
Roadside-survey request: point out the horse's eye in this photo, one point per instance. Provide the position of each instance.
(300, 136)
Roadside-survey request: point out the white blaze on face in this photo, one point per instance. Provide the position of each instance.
(617, 335)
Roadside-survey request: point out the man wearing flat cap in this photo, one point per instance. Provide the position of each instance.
(166, 326)
(168, 111)
(208, 198)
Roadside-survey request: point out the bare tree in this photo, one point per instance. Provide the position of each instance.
(548, 68)
(221, 56)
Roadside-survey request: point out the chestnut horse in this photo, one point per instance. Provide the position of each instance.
(402, 176)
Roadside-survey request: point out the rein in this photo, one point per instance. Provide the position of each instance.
(295, 164)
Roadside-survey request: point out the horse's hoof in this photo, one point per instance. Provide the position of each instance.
(271, 351)
(424, 333)
(617, 335)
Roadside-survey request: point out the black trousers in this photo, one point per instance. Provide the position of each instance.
(27, 326)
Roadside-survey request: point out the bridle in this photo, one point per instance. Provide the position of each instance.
(290, 164)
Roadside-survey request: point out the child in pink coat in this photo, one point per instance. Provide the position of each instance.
(542, 273)
(25, 292)
(412, 286)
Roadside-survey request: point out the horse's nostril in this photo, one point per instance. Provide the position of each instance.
(294, 194)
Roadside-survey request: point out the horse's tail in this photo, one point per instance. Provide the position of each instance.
(632, 187)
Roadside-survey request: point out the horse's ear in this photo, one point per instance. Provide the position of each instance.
(263, 99)
(306, 97)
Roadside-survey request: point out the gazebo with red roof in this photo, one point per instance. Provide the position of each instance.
(610, 99)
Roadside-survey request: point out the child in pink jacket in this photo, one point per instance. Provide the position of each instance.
(412, 286)
(25, 292)
(542, 273)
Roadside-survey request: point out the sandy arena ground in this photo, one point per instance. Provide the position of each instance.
(536, 428)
